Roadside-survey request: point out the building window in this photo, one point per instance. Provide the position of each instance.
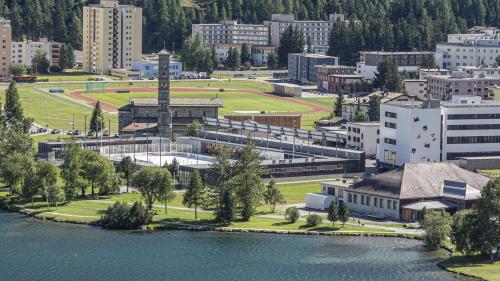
(362, 199)
(367, 200)
(355, 198)
(391, 114)
(390, 141)
(390, 125)
(349, 197)
(375, 201)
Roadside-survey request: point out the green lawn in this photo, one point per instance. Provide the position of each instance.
(234, 102)
(55, 111)
(475, 266)
(494, 173)
(276, 224)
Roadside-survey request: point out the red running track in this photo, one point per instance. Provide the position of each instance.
(111, 107)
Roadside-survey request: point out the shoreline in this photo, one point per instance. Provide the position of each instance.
(183, 227)
(226, 229)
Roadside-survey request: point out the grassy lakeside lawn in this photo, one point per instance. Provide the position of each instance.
(473, 266)
(87, 211)
(57, 112)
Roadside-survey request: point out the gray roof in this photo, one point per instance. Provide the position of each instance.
(418, 180)
(428, 205)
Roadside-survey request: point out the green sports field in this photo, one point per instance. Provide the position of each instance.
(234, 101)
(240, 96)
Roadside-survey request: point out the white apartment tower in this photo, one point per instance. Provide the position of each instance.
(430, 131)
(112, 36)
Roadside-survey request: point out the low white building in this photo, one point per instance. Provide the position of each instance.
(403, 193)
(412, 132)
(329, 191)
(363, 136)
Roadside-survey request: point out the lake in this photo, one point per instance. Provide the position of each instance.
(35, 250)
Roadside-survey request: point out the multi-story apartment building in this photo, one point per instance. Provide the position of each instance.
(444, 87)
(23, 52)
(301, 67)
(317, 31)
(323, 71)
(484, 30)
(461, 38)
(428, 131)
(490, 72)
(408, 62)
(6, 45)
(471, 128)
(112, 36)
(230, 32)
(472, 52)
(363, 136)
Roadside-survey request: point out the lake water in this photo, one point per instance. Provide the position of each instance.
(35, 250)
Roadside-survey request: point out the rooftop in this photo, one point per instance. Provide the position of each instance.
(394, 53)
(418, 180)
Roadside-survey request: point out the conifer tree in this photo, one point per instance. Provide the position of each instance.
(97, 120)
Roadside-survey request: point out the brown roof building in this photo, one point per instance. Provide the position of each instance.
(416, 182)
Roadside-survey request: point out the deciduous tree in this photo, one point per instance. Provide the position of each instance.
(273, 196)
(437, 225)
(126, 168)
(153, 183)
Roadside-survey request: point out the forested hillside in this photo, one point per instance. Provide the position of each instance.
(384, 24)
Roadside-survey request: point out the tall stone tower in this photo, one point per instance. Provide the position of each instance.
(164, 113)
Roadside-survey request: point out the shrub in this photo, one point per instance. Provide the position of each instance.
(117, 216)
(139, 216)
(292, 214)
(314, 220)
(122, 216)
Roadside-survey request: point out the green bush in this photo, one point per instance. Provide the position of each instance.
(122, 216)
(292, 214)
(314, 220)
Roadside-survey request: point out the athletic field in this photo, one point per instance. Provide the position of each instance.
(57, 110)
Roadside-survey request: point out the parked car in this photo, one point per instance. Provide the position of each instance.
(55, 132)
(69, 133)
(105, 134)
(77, 133)
(252, 77)
(89, 134)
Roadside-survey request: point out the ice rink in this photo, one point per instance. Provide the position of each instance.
(166, 158)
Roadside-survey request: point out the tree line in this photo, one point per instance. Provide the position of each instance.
(473, 231)
(383, 24)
